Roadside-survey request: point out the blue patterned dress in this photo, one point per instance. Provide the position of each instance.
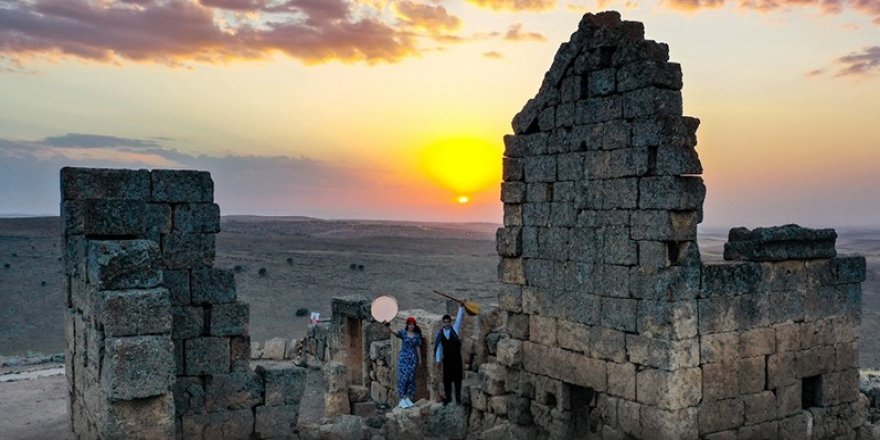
(406, 364)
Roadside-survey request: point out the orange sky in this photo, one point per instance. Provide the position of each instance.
(396, 109)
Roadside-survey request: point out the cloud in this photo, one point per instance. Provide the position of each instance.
(693, 5)
(433, 19)
(516, 5)
(493, 55)
(515, 33)
(870, 8)
(244, 184)
(864, 63)
(814, 72)
(175, 32)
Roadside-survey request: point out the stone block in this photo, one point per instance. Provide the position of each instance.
(510, 298)
(276, 422)
(847, 356)
(721, 415)
(547, 119)
(640, 50)
(509, 241)
(228, 392)
(653, 254)
(723, 435)
(188, 322)
(719, 347)
(189, 396)
(778, 243)
(608, 344)
(227, 425)
(213, 286)
(512, 169)
(796, 427)
(594, 110)
(573, 336)
(564, 365)
(619, 313)
(185, 250)
(648, 73)
(759, 407)
(781, 369)
(101, 183)
(759, 432)
(197, 217)
(785, 275)
(539, 192)
(620, 193)
(540, 168)
(275, 349)
(542, 330)
(586, 245)
(518, 326)
(74, 256)
(664, 225)
(652, 101)
(752, 374)
(601, 82)
(622, 380)
(509, 352)
(104, 217)
(513, 192)
(669, 284)
(177, 283)
(336, 403)
(789, 399)
(669, 389)
(148, 418)
(672, 192)
(492, 378)
(815, 361)
(124, 264)
(839, 387)
(620, 250)
(134, 312)
(848, 269)
(668, 319)
(725, 279)
(512, 271)
(788, 306)
(757, 342)
(719, 314)
(720, 381)
(182, 186)
(208, 355)
(664, 424)
(662, 353)
(137, 367)
(230, 319)
(239, 353)
(157, 220)
(570, 166)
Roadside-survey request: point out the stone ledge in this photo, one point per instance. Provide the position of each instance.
(778, 243)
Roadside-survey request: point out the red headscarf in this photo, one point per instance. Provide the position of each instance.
(411, 320)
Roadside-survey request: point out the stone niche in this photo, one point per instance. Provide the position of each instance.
(157, 342)
(615, 327)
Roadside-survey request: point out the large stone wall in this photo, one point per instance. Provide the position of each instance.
(615, 327)
(158, 343)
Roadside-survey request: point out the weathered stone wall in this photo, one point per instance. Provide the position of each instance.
(158, 344)
(614, 325)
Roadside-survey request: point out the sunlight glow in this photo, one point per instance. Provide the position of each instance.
(462, 165)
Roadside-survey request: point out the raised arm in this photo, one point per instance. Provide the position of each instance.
(458, 318)
(389, 330)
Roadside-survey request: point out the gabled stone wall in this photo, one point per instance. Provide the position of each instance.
(615, 326)
(158, 343)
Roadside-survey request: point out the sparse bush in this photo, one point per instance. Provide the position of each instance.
(262, 271)
(42, 283)
(238, 269)
(353, 266)
(6, 265)
(14, 255)
(302, 311)
(360, 267)
(290, 261)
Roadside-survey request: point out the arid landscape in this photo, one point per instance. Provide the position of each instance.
(284, 264)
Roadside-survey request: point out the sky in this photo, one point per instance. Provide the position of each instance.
(396, 109)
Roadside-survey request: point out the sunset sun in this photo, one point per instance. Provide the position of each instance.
(462, 165)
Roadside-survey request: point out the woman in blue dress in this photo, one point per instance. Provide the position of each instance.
(408, 359)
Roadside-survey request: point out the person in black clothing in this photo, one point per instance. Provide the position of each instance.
(447, 350)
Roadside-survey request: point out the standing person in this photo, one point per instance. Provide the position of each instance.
(447, 349)
(408, 359)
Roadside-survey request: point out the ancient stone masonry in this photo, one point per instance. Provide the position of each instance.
(157, 343)
(615, 328)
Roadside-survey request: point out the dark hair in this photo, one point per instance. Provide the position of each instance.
(445, 317)
(417, 330)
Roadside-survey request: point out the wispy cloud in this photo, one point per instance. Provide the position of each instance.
(432, 19)
(516, 5)
(863, 63)
(870, 8)
(493, 55)
(178, 31)
(245, 184)
(515, 33)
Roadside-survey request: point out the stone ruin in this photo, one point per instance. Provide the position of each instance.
(157, 343)
(608, 323)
